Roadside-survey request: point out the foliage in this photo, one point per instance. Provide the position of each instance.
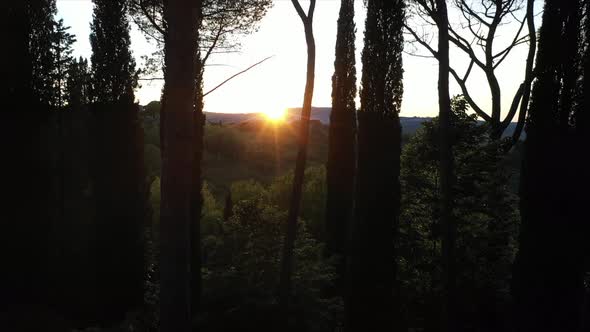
(113, 66)
(241, 266)
(42, 30)
(61, 46)
(223, 21)
(377, 200)
(484, 211)
(342, 144)
(78, 83)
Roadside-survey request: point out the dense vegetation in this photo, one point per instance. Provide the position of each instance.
(123, 217)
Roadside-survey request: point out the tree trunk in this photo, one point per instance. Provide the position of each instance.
(303, 138)
(177, 164)
(197, 183)
(446, 172)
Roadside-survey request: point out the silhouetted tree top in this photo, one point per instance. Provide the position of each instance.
(61, 43)
(477, 36)
(42, 25)
(382, 53)
(222, 21)
(113, 66)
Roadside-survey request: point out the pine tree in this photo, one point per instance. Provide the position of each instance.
(178, 132)
(446, 172)
(286, 273)
(371, 305)
(341, 151)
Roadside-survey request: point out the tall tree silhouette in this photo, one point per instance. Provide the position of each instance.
(179, 132)
(25, 90)
(371, 303)
(549, 270)
(341, 150)
(119, 181)
(446, 170)
(113, 66)
(302, 142)
(62, 42)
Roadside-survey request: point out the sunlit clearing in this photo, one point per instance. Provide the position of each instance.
(276, 114)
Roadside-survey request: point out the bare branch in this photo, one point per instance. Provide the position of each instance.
(513, 108)
(421, 41)
(212, 46)
(464, 7)
(151, 18)
(467, 96)
(236, 74)
(299, 10)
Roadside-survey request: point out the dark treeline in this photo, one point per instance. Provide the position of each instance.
(120, 217)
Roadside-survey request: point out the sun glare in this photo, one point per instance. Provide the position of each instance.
(276, 115)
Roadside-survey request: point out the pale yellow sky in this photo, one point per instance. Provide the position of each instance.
(279, 82)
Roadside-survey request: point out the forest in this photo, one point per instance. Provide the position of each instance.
(122, 217)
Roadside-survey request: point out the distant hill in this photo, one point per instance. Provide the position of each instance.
(322, 114)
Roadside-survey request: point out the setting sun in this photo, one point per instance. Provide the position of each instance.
(276, 114)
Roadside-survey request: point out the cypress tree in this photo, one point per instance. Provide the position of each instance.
(119, 180)
(548, 281)
(113, 66)
(26, 90)
(341, 149)
(371, 304)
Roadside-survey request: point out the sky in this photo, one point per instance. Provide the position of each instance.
(278, 83)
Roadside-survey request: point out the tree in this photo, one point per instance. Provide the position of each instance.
(118, 168)
(42, 56)
(26, 111)
(62, 42)
(302, 142)
(182, 19)
(221, 21)
(483, 22)
(446, 171)
(548, 282)
(370, 302)
(341, 151)
(113, 66)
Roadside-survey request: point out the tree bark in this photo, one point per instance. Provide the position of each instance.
(446, 171)
(303, 138)
(177, 164)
